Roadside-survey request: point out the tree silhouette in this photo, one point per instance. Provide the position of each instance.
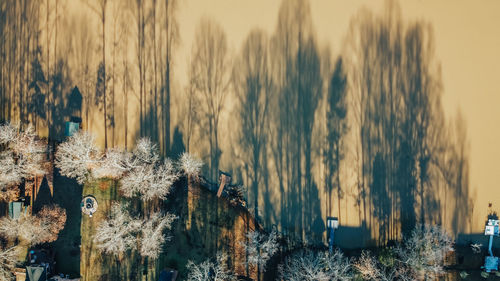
(253, 85)
(336, 126)
(296, 72)
(396, 86)
(210, 73)
(101, 10)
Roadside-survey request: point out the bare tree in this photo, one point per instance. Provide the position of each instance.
(317, 266)
(371, 268)
(8, 260)
(260, 249)
(145, 152)
(425, 250)
(149, 181)
(152, 234)
(42, 228)
(117, 233)
(77, 156)
(119, 40)
(208, 270)
(121, 232)
(23, 157)
(112, 165)
(190, 165)
(210, 73)
(368, 267)
(420, 257)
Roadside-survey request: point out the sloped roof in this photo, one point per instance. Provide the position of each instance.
(36, 273)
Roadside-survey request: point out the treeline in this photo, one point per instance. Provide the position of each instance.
(360, 135)
(48, 48)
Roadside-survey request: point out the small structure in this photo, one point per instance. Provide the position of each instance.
(74, 108)
(224, 179)
(491, 229)
(332, 223)
(40, 264)
(36, 273)
(72, 126)
(15, 209)
(89, 205)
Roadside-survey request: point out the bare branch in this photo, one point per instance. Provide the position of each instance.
(76, 156)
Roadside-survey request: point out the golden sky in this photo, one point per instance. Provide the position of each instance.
(467, 41)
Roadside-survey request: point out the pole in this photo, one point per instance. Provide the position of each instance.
(490, 246)
(332, 233)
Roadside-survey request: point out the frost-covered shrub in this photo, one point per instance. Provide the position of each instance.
(190, 165)
(8, 260)
(420, 257)
(153, 236)
(77, 156)
(118, 233)
(260, 248)
(121, 232)
(424, 252)
(23, 156)
(41, 228)
(316, 266)
(113, 165)
(210, 270)
(149, 181)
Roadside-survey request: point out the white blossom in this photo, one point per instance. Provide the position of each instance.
(152, 234)
(77, 156)
(30, 152)
(210, 270)
(190, 165)
(118, 233)
(316, 266)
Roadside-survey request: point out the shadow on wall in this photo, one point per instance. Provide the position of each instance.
(411, 166)
(351, 237)
(411, 162)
